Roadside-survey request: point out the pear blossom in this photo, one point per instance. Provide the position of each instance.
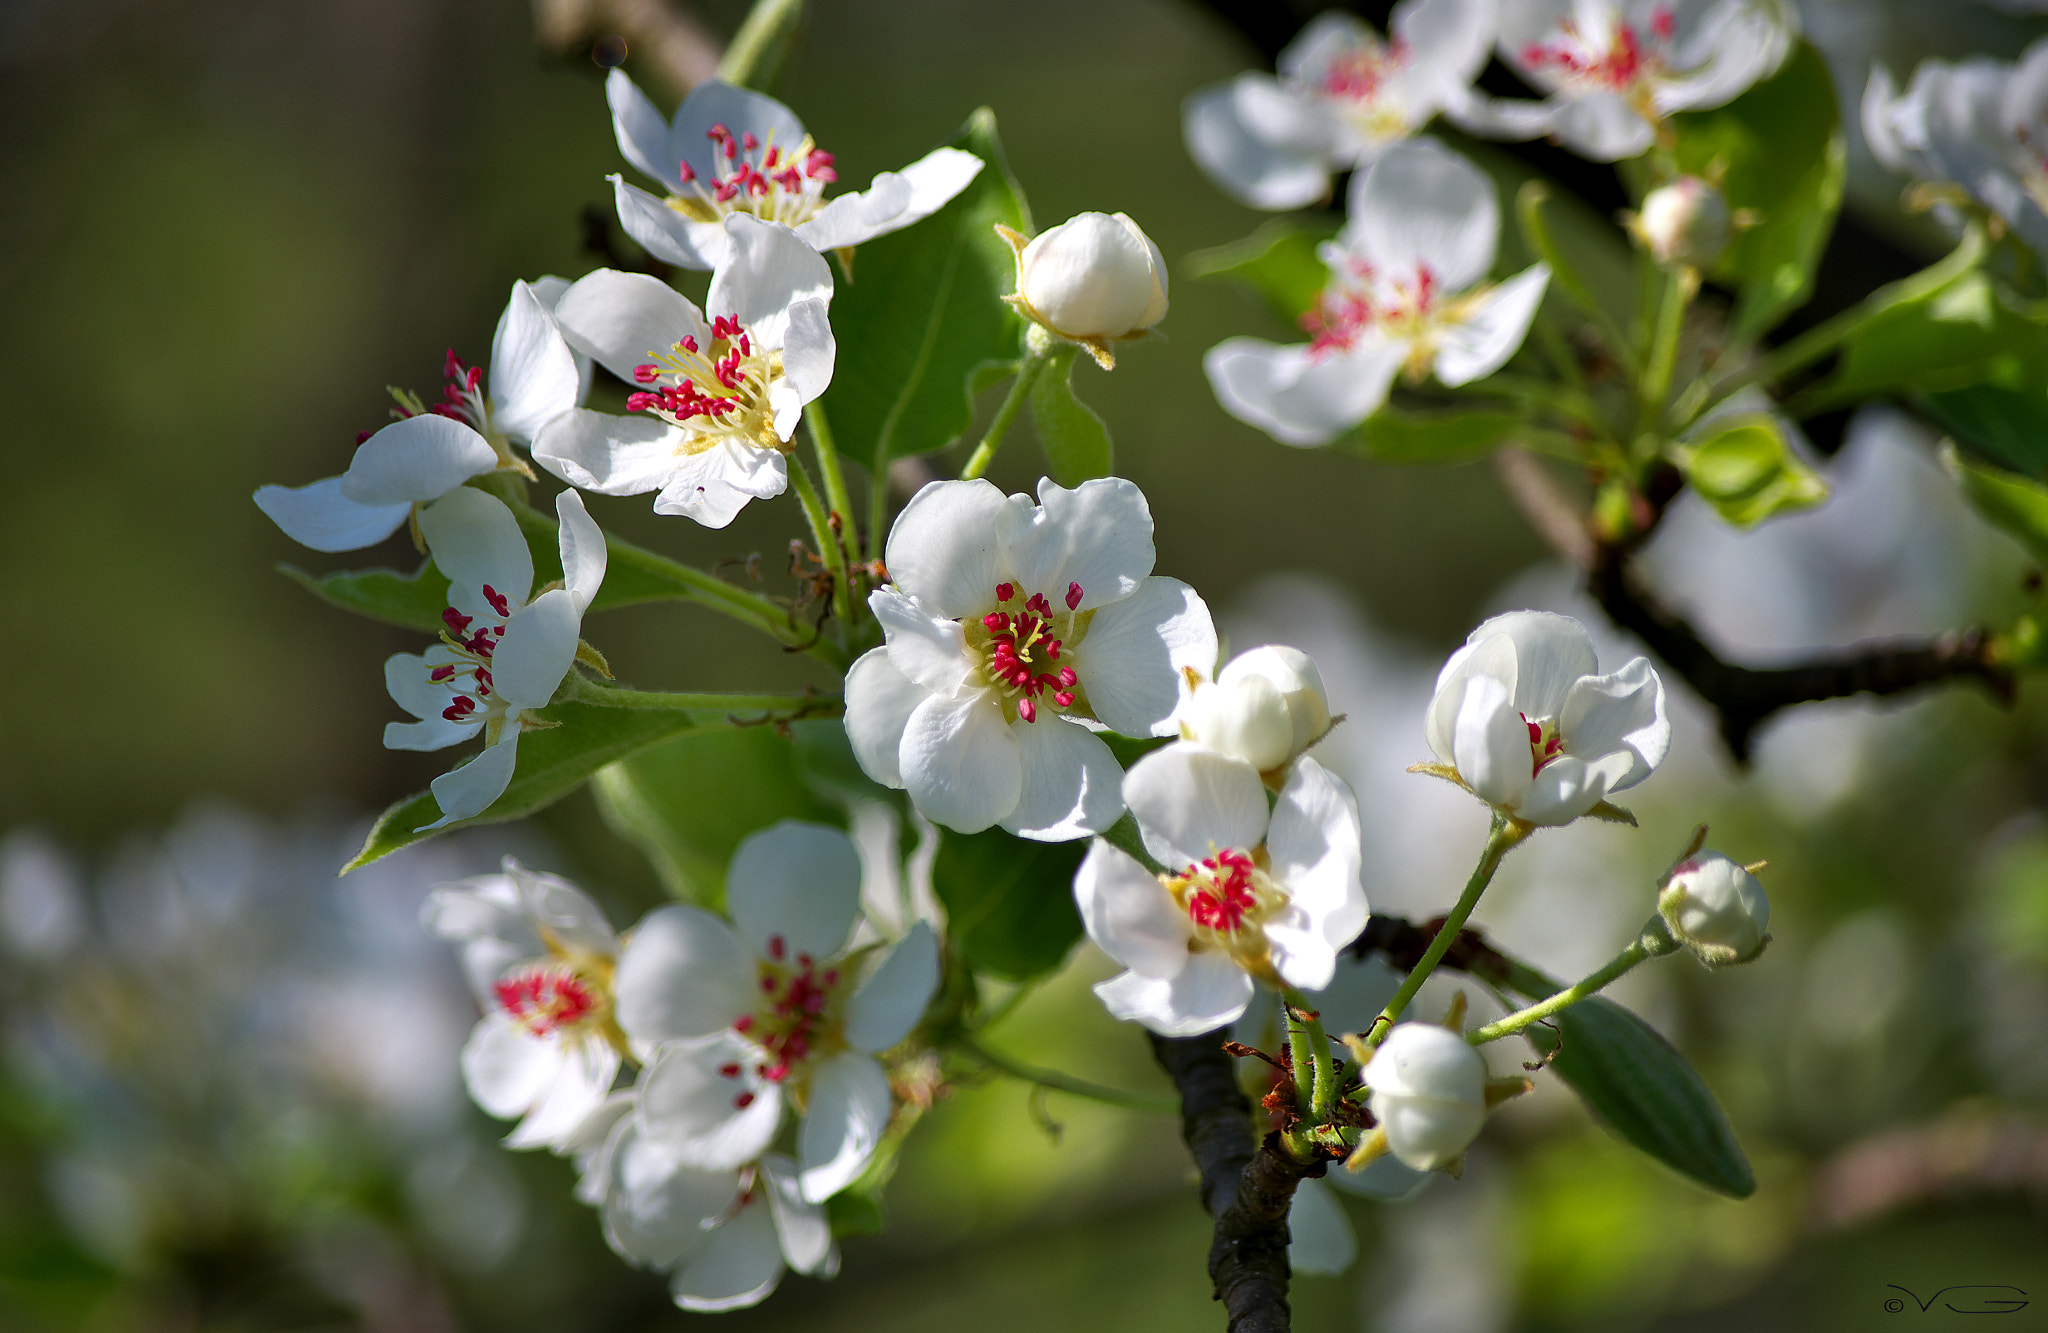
(1248, 895)
(710, 430)
(1407, 293)
(1717, 908)
(1012, 630)
(1614, 69)
(1095, 279)
(539, 954)
(1343, 96)
(501, 656)
(1685, 221)
(1427, 1089)
(1979, 123)
(732, 152)
(534, 377)
(1265, 707)
(744, 1020)
(1520, 719)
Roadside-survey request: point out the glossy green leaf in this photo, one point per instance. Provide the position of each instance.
(414, 601)
(1748, 473)
(1391, 436)
(1278, 261)
(552, 763)
(689, 802)
(1777, 153)
(1075, 441)
(1009, 901)
(2016, 504)
(2007, 428)
(1646, 1092)
(923, 311)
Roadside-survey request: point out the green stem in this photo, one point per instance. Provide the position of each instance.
(1301, 1052)
(1323, 1101)
(762, 45)
(616, 696)
(1679, 285)
(1067, 1083)
(1005, 1007)
(1500, 840)
(1654, 942)
(878, 507)
(1035, 359)
(829, 549)
(1536, 233)
(836, 493)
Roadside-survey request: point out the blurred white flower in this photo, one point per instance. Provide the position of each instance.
(1428, 1092)
(1343, 96)
(1684, 222)
(732, 152)
(1407, 293)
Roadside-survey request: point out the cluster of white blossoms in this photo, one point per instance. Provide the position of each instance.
(736, 1028)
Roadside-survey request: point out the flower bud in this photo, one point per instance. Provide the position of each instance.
(1685, 222)
(1265, 707)
(1428, 1093)
(1716, 907)
(1094, 278)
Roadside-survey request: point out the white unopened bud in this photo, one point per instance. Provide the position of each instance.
(1094, 278)
(1265, 707)
(1428, 1093)
(1716, 907)
(1685, 222)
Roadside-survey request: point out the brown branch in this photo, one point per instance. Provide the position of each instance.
(1742, 697)
(1247, 1190)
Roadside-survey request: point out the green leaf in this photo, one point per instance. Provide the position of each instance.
(552, 763)
(1009, 901)
(1646, 1092)
(1075, 441)
(854, 1213)
(923, 311)
(2005, 427)
(1748, 473)
(688, 803)
(1391, 436)
(2016, 504)
(1777, 152)
(1278, 261)
(413, 601)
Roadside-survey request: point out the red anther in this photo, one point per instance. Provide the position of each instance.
(729, 1071)
(1063, 698)
(642, 402)
(726, 192)
(497, 600)
(769, 161)
(777, 946)
(646, 374)
(743, 1100)
(455, 621)
(1073, 596)
(777, 1074)
(460, 709)
(1662, 23)
(832, 977)
(685, 172)
(994, 622)
(1534, 55)
(750, 141)
(1027, 710)
(803, 960)
(475, 378)
(1005, 591)
(450, 367)
(441, 673)
(1067, 676)
(362, 435)
(789, 179)
(743, 1023)
(768, 985)
(746, 347)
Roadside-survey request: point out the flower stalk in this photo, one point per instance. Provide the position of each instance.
(1500, 840)
(1654, 942)
(1037, 354)
(1067, 1083)
(829, 549)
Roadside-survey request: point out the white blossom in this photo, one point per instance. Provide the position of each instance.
(741, 1021)
(1522, 720)
(539, 954)
(1981, 124)
(1407, 293)
(1614, 69)
(534, 377)
(1011, 630)
(731, 152)
(1265, 707)
(1427, 1090)
(501, 656)
(1716, 907)
(1248, 894)
(1095, 279)
(1343, 96)
(1685, 221)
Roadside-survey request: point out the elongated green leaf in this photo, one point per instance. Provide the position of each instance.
(688, 802)
(1777, 151)
(1009, 902)
(414, 601)
(1748, 473)
(1646, 1092)
(923, 312)
(1278, 261)
(2007, 428)
(1075, 441)
(552, 763)
(1391, 436)
(2017, 504)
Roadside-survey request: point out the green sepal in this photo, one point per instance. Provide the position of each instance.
(1009, 901)
(1075, 442)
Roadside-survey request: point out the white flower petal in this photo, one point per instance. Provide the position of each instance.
(507, 1068)
(711, 487)
(1618, 713)
(710, 1119)
(1419, 205)
(1303, 956)
(807, 354)
(641, 130)
(624, 320)
(533, 373)
(928, 651)
(1320, 1238)
(1482, 342)
(942, 547)
(848, 1111)
(476, 786)
(584, 556)
(1490, 744)
(609, 455)
(1206, 994)
(853, 218)
(1602, 127)
(1296, 396)
(737, 1266)
(1551, 653)
(1099, 535)
(804, 1228)
(667, 234)
(1262, 145)
(683, 973)
(798, 883)
(879, 702)
(1388, 1180)
(1564, 789)
(657, 1209)
(1314, 843)
(741, 111)
(537, 651)
(1072, 785)
(476, 542)
(579, 1088)
(960, 763)
(1131, 661)
(769, 270)
(893, 998)
(563, 910)
(1190, 802)
(1129, 914)
(417, 459)
(432, 733)
(320, 516)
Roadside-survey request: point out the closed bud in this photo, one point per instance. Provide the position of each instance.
(1093, 279)
(1428, 1091)
(1685, 222)
(1265, 707)
(1717, 908)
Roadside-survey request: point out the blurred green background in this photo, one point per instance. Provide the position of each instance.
(229, 224)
